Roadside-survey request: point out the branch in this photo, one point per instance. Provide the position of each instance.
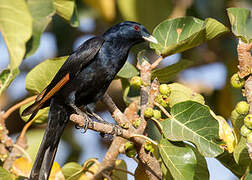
(245, 67)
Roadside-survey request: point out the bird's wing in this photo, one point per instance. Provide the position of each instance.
(70, 69)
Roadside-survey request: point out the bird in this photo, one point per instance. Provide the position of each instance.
(80, 82)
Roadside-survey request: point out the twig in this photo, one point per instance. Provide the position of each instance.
(146, 138)
(163, 110)
(18, 105)
(156, 62)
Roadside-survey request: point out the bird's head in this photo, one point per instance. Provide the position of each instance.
(129, 31)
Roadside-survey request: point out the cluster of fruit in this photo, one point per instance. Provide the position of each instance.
(162, 97)
(242, 108)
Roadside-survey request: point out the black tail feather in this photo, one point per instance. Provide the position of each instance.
(57, 120)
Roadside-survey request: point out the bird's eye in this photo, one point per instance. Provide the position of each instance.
(136, 27)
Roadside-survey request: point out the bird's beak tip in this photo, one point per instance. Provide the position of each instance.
(151, 39)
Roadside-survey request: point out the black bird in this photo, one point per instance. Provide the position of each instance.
(82, 81)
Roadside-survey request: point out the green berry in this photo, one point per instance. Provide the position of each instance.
(128, 145)
(248, 121)
(157, 114)
(148, 113)
(164, 89)
(131, 153)
(245, 131)
(136, 82)
(136, 122)
(130, 149)
(159, 99)
(236, 81)
(148, 146)
(249, 138)
(234, 115)
(242, 107)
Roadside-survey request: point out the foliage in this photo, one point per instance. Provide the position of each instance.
(189, 129)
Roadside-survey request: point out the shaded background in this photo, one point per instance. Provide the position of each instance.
(215, 62)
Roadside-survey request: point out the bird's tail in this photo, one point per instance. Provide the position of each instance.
(57, 120)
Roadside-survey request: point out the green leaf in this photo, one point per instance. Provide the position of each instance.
(241, 154)
(117, 174)
(41, 116)
(64, 8)
(193, 122)
(75, 22)
(179, 34)
(40, 76)
(182, 161)
(6, 77)
(16, 28)
(34, 138)
(42, 12)
(241, 21)
(228, 161)
(168, 73)
(127, 71)
(180, 93)
(72, 170)
(4, 174)
(166, 173)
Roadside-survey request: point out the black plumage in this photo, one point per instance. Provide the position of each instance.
(82, 81)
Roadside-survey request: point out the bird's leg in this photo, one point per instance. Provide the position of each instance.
(70, 101)
(90, 111)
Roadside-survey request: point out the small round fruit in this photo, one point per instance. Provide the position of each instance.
(131, 153)
(148, 146)
(148, 113)
(156, 114)
(236, 81)
(136, 82)
(136, 123)
(128, 146)
(248, 121)
(164, 89)
(245, 131)
(242, 107)
(249, 138)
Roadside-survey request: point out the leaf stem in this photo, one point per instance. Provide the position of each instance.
(163, 109)
(160, 128)
(146, 138)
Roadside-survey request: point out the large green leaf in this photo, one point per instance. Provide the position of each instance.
(64, 8)
(241, 21)
(168, 73)
(182, 161)
(41, 116)
(180, 93)
(4, 174)
(193, 122)
(127, 71)
(16, 29)
(179, 34)
(42, 12)
(72, 170)
(40, 76)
